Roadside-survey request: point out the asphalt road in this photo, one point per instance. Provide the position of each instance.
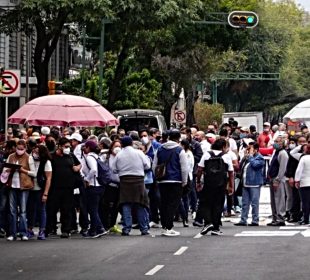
(241, 253)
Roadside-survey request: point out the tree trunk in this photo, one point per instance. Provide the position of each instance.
(190, 107)
(120, 72)
(41, 69)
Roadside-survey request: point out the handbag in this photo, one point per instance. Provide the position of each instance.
(161, 169)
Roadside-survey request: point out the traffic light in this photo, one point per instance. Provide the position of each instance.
(51, 87)
(243, 19)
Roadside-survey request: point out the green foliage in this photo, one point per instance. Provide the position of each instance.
(206, 114)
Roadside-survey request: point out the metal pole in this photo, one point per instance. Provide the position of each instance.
(6, 117)
(83, 60)
(214, 92)
(101, 51)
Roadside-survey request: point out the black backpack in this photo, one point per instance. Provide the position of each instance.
(215, 171)
(41, 177)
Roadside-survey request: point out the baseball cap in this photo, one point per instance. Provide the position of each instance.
(76, 136)
(266, 123)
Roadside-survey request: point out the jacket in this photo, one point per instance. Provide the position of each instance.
(254, 171)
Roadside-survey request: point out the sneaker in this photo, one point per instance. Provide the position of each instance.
(2, 233)
(197, 224)
(240, 224)
(65, 235)
(237, 209)
(145, 233)
(171, 232)
(185, 224)
(11, 238)
(194, 215)
(125, 233)
(216, 232)
(24, 238)
(100, 233)
(41, 235)
(253, 224)
(206, 229)
(153, 225)
(30, 233)
(115, 229)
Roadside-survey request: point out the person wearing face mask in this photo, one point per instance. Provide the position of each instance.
(253, 179)
(109, 208)
(50, 143)
(38, 195)
(65, 165)
(276, 174)
(153, 194)
(264, 138)
(20, 185)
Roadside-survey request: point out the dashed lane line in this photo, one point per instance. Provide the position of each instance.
(199, 235)
(180, 251)
(154, 270)
(266, 233)
(294, 227)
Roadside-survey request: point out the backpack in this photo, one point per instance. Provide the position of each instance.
(215, 171)
(104, 172)
(41, 177)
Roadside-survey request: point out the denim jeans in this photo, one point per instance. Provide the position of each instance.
(250, 196)
(154, 197)
(18, 198)
(141, 216)
(94, 195)
(36, 209)
(305, 199)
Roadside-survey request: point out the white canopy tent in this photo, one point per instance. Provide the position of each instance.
(301, 113)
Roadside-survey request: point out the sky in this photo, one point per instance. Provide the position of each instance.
(305, 4)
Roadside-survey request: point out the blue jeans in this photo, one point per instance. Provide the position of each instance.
(18, 198)
(250, 196)
(93, 196)
(36, 208)
(141, 216)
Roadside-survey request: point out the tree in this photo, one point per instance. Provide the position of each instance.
(46, 19)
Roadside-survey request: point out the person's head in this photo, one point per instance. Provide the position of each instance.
(115, 147)
(165, 136)
(307, 150)
(105, 143)
(275, 128)
(282, 127)
(121, 132)
(93, 138)
(227, 126)
(292, 142)
(304, 130)
(266, 127)
(244, 132)
(126, 141)
(155, 134)
(10, 147)
(85, 134)
(185, 144)
(301, 140)
(254, 146)
(279, 143)
(193, 131)
(134, 135)
(76, 139)
(223, 133)
(31, 144)
(252, 128)
(200, 135)
(90, 147)
(219, 145)
(144, 137)
(64, 146)
(175, 135)
(41, 153)
(21, 147)
(50, 143)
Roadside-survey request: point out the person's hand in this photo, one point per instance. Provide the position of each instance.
(291, 182)
(86, 184)
(275, 185)
(76, 168)
(23, 170)
(230, 190)
(297, 184)
(44, 198)
(199, 187)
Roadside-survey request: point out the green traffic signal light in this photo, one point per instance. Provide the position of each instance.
(243, 19)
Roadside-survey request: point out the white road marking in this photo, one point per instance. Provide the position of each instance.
(198, 235)
(306, 233)
(154, 270)
(294, 227)
(180, 251)
(266, 233)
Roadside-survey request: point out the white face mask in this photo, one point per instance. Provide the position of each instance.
(66, 151)
(183, 136)
(145, 140)
(292, 146)
(116, 150)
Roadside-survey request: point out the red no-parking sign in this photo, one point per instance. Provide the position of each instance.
(10, 83)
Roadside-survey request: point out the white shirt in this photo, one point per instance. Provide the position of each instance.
(226, 158)
(31, 172)
(190, 163)
(232, 144)
(90, 169)
(47, 168)
(303, 171)
(130, 161)
(205, 146)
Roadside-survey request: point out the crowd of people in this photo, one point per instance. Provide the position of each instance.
(149, 179)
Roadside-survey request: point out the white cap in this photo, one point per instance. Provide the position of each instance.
(211, 135)
(45, 130)
(76, 136)
(35, 135)
(245, 128)
(266, 123)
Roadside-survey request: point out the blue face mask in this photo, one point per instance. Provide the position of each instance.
(242, 135)
(276, 146)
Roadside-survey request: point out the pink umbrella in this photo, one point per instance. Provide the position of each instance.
(63, 110)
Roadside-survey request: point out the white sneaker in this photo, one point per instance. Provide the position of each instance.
(194, 215)
(153, 225)
(24, 238)
(11, 238)
(171, 232)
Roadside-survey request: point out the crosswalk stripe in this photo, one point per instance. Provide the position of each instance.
(180, 251)
(266, 233)
(306, 233)
(294, 227)
(198, 236)
(154, 270)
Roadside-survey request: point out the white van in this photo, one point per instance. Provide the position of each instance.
(138, 119)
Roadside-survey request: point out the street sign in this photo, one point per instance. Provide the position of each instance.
(180, 116)
(10, 83)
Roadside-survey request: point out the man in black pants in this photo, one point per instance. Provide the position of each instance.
(213, 191)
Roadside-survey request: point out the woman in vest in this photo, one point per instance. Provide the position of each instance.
(19, 185)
